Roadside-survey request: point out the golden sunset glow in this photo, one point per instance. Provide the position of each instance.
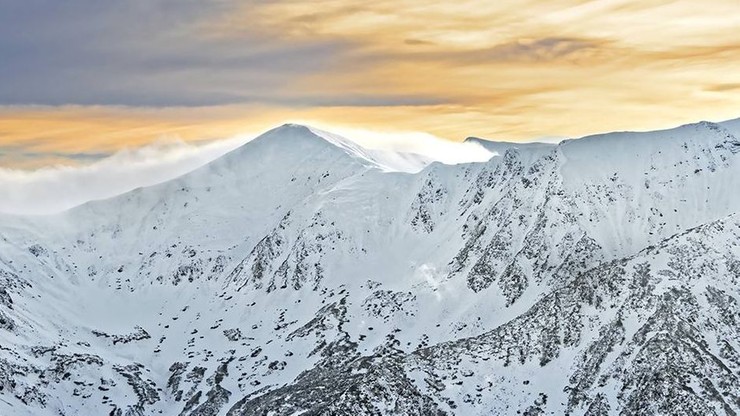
(509, 70)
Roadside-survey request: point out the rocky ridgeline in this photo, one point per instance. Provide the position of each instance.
(569, 279)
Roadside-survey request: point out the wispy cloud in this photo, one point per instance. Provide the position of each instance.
(724, 87)
(56, 188)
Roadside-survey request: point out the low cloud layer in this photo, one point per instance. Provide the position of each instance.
(53, 189)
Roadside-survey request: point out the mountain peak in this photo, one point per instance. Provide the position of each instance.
(300, 140)
(286, 132)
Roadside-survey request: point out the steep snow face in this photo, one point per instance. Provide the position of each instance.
(302, 273)
(652, 184)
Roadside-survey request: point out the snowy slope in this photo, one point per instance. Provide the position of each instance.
(304, 274)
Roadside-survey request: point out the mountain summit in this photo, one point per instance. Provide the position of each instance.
(295, 142)
(304, 274)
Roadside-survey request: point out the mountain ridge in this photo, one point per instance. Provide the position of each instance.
(561, 279)
(365, 155)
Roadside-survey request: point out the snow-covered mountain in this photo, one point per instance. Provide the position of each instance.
(303, 274)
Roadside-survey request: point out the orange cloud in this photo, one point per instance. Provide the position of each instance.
(511, 70)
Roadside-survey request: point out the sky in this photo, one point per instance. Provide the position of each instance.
(82, 80)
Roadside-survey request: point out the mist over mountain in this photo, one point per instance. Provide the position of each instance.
(55, 188)
(302, 273)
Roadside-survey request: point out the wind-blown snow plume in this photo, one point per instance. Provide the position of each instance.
(424, 144)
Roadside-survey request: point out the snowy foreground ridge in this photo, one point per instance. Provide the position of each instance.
(299, 275)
